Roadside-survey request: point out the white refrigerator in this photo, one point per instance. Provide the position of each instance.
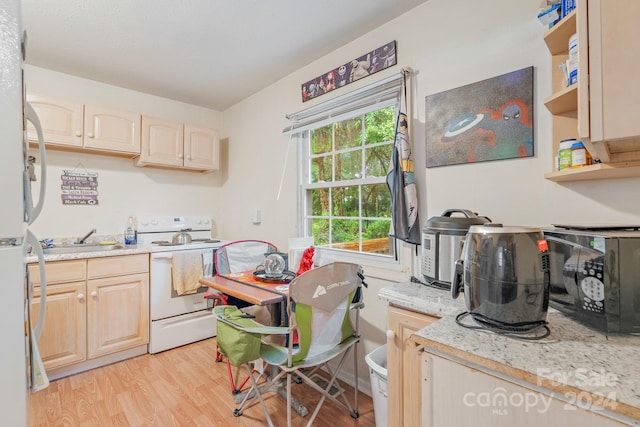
(21, 369)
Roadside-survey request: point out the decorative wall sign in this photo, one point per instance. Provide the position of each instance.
(79, 188)
(487, 120)
(363, 66)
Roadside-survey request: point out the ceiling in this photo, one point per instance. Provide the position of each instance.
(211, 53)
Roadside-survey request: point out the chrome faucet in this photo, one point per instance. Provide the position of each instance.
(83, 239)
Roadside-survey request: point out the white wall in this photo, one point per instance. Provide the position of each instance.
(123, 189)
(449, 43)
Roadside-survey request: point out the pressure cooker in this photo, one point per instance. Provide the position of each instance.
(442, 239)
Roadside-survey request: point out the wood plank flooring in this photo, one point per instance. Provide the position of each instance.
(178, 387)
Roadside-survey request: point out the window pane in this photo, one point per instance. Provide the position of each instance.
(320, 202)
(377, 160)
(321, 140)
(321, 169)
(376, 201)
(380, 126)
(320, 231)
(345, 201)
(349, 165)
(346, 232)
(375, 237)
(349, 133)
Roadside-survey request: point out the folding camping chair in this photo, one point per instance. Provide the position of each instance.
(237, 257)
(318, 306)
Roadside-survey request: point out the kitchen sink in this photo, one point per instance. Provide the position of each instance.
(79, 248)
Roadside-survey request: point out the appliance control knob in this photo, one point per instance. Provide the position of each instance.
(198, 222)
(94, 294)
(144, 222)
(80, 297)
(390, 334)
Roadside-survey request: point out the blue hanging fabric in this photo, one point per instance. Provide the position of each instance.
(402, 183)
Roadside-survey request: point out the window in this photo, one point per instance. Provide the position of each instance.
(346, 203)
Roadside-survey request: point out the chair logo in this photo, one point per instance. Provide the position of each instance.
(320, 290)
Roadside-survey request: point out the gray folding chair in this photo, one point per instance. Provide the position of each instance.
(319, 306)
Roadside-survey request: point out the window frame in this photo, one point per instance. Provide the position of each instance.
(386, 262)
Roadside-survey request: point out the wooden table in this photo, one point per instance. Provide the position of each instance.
(247, 288)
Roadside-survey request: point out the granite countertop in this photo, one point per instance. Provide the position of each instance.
(572, 359)
(138, 249)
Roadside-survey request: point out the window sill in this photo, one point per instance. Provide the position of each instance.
(374, 266)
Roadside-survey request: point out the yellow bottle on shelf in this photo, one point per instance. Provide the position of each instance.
(580, 155)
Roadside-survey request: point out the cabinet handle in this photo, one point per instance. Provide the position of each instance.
(80, 297)
(188, 157)
(90, 135)
(180, 156)
(94, 294)
(78, 134)
(390, 334)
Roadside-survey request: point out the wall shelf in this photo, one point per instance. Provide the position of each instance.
(597, 171)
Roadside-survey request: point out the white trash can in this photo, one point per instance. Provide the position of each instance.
(377, 361)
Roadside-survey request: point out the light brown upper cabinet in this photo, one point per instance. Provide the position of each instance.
(601, 108)
(173, 145)
(73, 126)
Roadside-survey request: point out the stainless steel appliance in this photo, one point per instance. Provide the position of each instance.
(442, 239)
(21, 365)
(595, 275)
(178, 318)
(504, 273)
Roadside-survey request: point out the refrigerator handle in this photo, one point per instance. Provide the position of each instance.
(33, 212)
(35, 244)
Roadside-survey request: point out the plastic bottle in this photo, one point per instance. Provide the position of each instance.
(564, 154)
(580, 155)
(131, 231)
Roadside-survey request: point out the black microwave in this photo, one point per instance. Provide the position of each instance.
(595, 276)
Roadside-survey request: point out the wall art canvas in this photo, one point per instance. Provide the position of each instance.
(488, 120)
(363, 66)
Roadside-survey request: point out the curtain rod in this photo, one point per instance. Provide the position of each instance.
(347, 97)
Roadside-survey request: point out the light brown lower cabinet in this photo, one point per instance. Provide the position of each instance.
(403, 366)
(94, 307)
(456, 395)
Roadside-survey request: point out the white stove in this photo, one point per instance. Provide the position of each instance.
(178, 314)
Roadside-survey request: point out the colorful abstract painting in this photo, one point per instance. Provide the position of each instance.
(488, 120)
(363, 66)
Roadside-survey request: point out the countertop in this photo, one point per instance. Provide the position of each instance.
(138, 249)
(571, 360)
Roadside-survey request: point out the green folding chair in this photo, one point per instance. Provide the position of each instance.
(320, 305)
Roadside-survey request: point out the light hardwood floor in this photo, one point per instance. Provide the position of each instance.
(178, 387)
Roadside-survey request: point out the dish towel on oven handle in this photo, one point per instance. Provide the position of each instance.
(187, 270)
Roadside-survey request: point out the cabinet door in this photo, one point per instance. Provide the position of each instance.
(61, 121)
(403, 366)
(614, 66)
(162, 142)
(457, 395)
(111, 131)
(117, 314)
(63, 337)
(201, 148)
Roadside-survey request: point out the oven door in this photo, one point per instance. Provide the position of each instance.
(165, 302)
